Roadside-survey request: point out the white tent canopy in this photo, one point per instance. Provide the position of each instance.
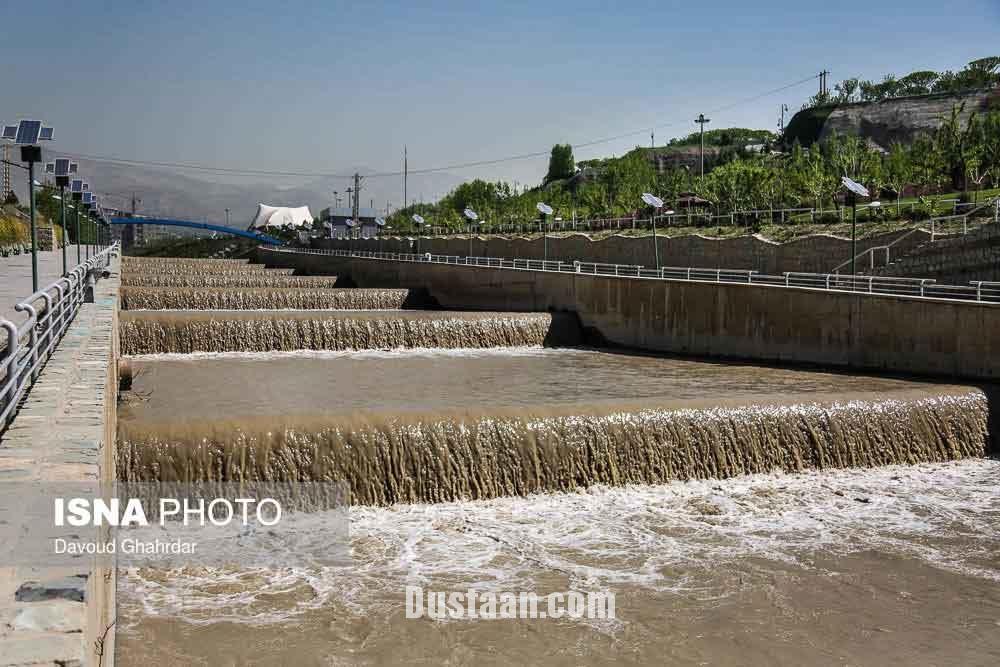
(280, 216)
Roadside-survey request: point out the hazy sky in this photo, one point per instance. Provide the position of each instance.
(329, 86)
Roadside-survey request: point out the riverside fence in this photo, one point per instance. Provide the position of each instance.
(26, 347)
(979, 291)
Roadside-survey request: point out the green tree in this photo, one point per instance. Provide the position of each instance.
(898, 170)
(561, 165)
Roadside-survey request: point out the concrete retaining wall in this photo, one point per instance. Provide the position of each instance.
(65, 432)
(818, 253)
(912, 335)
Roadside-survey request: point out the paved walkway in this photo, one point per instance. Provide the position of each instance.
(64, 432)
(15, 277)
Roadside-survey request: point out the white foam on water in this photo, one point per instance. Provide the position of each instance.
(397, 353)
(669, 538)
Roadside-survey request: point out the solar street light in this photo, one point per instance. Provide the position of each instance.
(62, 168)
(545, 210)
(854, 190)
(419, 220)
(657, 204)
(27, 134)
(472, 216)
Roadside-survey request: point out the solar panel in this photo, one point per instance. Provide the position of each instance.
(854, 187)
(88, 197)
(61, 166)
(652, 200)
(50, 168)
(76, 186)
(9, 132)
(45, 134)
(27, 132)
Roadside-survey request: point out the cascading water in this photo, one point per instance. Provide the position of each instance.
(169, 298)
(250, 280)
(156, 332)
(440, 457)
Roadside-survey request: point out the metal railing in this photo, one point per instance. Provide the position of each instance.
(980, 291)
(28, 346)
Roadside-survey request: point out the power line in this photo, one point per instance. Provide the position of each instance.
(428, 170)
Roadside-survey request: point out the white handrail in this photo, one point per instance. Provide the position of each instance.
(27, 347)
(884, 285)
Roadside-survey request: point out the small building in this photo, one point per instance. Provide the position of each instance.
(338, 220)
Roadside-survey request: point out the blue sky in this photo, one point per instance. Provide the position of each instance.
(328, 86)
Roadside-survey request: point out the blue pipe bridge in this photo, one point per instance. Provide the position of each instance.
(222, 229)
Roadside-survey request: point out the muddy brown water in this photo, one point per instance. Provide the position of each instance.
(893, 565)
(474, 426)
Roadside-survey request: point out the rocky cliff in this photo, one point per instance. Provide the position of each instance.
(900, 119)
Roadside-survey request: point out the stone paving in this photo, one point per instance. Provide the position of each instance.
(15, 276)
(62, 432)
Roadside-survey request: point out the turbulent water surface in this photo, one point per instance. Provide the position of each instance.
(899, 564)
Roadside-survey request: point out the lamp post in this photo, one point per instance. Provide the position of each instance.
(471, 216)
(418, 220)
(27, 134)
(657, 204)
(854, 190)
(545, 211)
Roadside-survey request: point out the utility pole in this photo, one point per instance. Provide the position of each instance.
(138, 231)
(781, 125)
(823, 90)
(227, 217)
(406, 174)
(357, 191)
(701, 120)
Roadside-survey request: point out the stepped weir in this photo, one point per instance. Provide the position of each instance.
(443, 426)
(495, 449)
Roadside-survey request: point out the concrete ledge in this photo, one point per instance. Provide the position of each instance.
(756, 322)
(65, 431)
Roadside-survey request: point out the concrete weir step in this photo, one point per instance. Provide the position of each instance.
(158, 332)
(237, 298)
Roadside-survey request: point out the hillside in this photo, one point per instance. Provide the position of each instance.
(884, 122)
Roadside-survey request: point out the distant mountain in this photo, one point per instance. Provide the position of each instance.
(165, 192)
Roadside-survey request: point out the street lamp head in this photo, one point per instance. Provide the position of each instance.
(544, 208)
(418, 219)
(470, 214)
(854, 187)
(652, 200)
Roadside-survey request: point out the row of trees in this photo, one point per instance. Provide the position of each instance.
(982, 73)
(963, 155)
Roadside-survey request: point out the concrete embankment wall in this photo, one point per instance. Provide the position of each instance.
(65, 431)
(818, 253)
(912, 335)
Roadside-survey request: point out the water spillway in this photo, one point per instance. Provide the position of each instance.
(230, 298)
(148, 266)
(157, 332)
(251, 280)
(448, 433)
